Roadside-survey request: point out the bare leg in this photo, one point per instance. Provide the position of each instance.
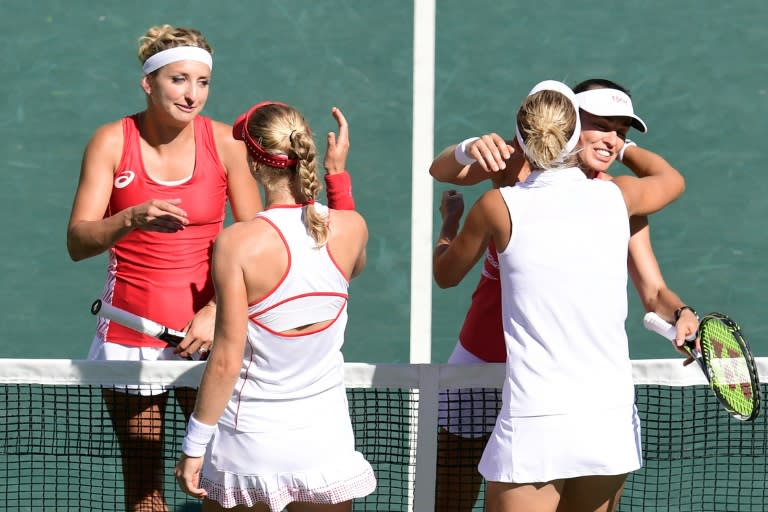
(458, 481)
(345, 506)
(186, 398)
(212, 506)
(538, 497)
(592, 494)
(138, 423)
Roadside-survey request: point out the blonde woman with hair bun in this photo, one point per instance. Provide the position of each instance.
(271, 428)
(567, 433)
(607, 115)
(152, 196)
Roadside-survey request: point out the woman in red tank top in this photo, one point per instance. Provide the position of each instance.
(152, 196)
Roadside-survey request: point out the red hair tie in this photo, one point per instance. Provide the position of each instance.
(256, 150)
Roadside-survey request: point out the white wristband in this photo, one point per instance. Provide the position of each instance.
(460, 153)
(627, 143)
(197, 438)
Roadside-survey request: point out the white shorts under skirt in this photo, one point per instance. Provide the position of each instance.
(104, 351)
(470, 412)
(316, 462)
(545, 448)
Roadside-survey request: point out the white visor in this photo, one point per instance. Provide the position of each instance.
(610, 103)
(170, 55)
(554, 85)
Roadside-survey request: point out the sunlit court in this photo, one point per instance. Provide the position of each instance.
(412, 78)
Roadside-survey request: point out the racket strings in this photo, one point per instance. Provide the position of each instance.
(728, 364)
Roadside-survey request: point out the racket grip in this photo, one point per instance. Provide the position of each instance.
(654, 322)
(137, 323)
(127, 319)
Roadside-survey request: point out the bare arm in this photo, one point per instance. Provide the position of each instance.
(223, 367)
(650, 285)
(643, 266)
(659, 183)
(347, 243)
(337, 146)
(90, 233)
(224, 364)
(455, 254)
(242, 188)
(359, 240)
(338, 183)
(491, 153)
(644, 162)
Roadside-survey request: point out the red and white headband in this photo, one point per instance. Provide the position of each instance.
(255, 149)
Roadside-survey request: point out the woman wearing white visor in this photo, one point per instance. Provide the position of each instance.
(605, 107)
(607, 113)
(465, 428)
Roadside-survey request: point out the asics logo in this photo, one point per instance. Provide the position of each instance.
(124, 179)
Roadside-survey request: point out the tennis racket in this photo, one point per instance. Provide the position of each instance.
(725, 359)
(137, 323)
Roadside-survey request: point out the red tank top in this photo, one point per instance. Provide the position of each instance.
(164, 276)
(483, 332)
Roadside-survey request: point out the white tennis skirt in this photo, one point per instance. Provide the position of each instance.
(314, 463)
(470, 412)
(545, 448)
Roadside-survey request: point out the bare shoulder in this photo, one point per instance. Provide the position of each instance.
(107, 136)
(247, 241)
(222, 132)
(230, 149)
(239, 233)
(490, 200)
(104, 150)
(490, 211)
(350, 218)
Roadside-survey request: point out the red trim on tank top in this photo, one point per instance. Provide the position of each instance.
(245, 381)
(297, 205)
(296, 297)
(202, 131)
(335, 263)
(288, 268)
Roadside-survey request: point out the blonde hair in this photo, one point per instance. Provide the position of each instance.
(282, 129)
(546, 121)
(163, 37)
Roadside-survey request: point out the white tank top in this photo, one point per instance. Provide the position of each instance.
(564, 295)
(279, 367)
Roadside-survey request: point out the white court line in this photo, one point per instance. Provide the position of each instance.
(425, 446)
(421, 181)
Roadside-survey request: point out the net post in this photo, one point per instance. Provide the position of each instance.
(426, 438)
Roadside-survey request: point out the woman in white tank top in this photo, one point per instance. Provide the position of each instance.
(568, 433)
(271, 427)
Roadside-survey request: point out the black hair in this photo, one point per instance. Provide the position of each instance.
(599, 83)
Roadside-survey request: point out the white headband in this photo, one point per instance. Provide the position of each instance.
(170, 55)
(554, 85)
(610, 103)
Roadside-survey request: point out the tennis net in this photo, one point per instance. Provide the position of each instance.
(58, 449)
